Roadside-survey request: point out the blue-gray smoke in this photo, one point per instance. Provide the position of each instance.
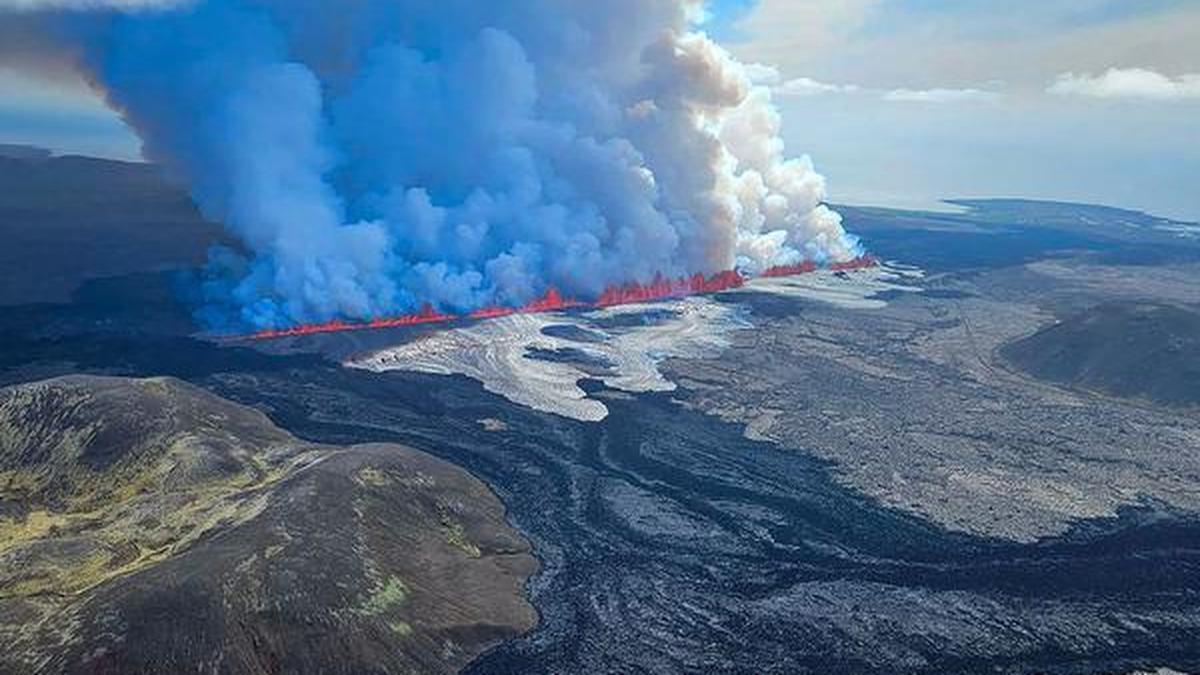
(373, 155)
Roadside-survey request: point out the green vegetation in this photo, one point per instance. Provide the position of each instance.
(370, 476)
(388, 597)
(456, 536)
(385, 601)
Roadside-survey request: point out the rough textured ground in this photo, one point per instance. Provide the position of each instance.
(538, 360)
(149, 526)
(1148, 350)
(530, 360)
(914, 407)
(669, 541)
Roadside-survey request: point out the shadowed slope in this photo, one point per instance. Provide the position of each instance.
(1131, 349)
(149, 526)
(66, 220)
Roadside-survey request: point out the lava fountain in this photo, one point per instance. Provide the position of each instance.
(661, 288)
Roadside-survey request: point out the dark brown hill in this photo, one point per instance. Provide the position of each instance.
(65, 220)
(149, 526)
(1128, 349)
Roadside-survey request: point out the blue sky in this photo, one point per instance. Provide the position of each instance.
(903, 102)
(907, 101)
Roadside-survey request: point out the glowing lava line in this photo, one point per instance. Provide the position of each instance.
(553, 301)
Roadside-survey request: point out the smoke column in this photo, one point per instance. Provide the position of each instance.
(375, 155)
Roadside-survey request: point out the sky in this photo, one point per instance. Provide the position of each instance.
(900, 102)
(906, 102)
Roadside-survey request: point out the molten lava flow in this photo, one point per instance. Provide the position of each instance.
(661, 288)
(808, 267)
(805, 267)
(491, 313)
(552, 301)
(862, 262)
(427, 315)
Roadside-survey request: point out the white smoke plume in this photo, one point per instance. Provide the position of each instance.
(126, 5)
(373, 155)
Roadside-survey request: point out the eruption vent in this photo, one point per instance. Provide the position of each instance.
(374, 156)
(553, 301)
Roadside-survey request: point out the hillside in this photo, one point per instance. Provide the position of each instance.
(1128, 349)
(65, 220)
(149, 526)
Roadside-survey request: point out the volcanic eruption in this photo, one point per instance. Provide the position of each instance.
(427, 160)
(553, 301)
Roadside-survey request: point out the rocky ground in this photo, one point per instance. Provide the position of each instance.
(914, 406)
(695, 529)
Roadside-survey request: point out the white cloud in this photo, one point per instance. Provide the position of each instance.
(760, 73)
(939, 95)
(769, 76)
(876, 44)
(804, 86)
(807, 86)
(1128, 83)
(789, 33)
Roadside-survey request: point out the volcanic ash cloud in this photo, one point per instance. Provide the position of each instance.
(372, 156)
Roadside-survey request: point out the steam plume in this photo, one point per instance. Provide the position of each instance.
(373, 155)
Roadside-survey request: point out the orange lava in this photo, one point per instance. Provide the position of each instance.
(662, 288)
(805, 267)
(808, 267)
(553, 301)
(862, 262)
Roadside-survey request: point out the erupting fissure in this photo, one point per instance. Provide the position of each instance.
(377, 154)
(553, 301)
(808, 266)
